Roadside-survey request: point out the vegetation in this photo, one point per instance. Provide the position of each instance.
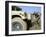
(37, 22)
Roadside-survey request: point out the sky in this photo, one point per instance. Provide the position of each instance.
(30, 9)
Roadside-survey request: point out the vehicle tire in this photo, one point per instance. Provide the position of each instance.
(18, 24)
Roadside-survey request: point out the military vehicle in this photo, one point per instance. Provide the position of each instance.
(21, 20)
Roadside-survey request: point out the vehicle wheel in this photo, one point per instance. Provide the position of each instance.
(18, 24)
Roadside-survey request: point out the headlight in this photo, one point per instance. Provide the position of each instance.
(22, 14)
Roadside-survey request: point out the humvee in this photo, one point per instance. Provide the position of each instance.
(21, 20)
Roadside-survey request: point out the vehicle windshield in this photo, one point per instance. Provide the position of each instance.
(16, 8)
